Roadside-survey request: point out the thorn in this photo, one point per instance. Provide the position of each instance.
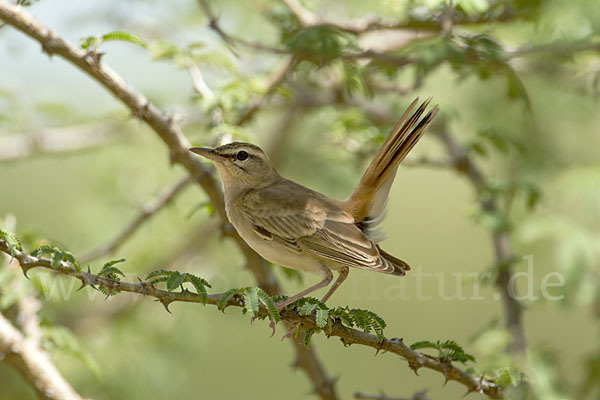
(165, 304)
(380, 346)
(25, 270)
(83, 284)
(89, 272)
(414, 366)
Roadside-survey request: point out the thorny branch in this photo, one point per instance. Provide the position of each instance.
(416, 360)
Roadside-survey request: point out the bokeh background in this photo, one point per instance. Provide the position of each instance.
(532, 126)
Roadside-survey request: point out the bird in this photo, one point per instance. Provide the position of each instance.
(299, 228)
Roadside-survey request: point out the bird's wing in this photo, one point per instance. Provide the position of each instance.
(312, 224)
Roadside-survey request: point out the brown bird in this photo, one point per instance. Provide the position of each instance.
(296, 227)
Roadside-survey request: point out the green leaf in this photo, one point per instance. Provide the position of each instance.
(307, 308)
(88, 42)
(159, 272)
(423, 344)
(308, 335)
(11, 240)
(200, 286)
(123, 37)
(251, 300)
(322, 316)
(269, 304)
(228, 295)
(175, 280)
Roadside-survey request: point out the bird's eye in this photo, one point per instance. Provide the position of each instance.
(242, 155)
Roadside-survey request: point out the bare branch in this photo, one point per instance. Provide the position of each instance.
(54, 141)
(163, 198)
(348, 336)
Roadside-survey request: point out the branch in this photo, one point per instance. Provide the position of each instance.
(163, 198)
(348, 336)
(436, 23)
(565, 48)
(417, 396)
(166, 128)
(53, 141)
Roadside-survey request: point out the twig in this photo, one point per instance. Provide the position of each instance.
(417, 396)
(163, 198)
(348, 336)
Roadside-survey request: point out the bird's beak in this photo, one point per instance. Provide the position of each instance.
(211, 154)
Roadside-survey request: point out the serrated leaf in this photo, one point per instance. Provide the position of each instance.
(159, 272)
(11, 240)
(322, 317)
(175, 280)
(308, 334)
(123, 37)
(269, 304)
(56, 258)
(424, 344)
(111, 272)
(307, 308)
(228, 295)
(251, 300)
(200, 286)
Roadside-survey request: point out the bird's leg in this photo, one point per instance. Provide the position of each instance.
(326, 281)
(343, 274)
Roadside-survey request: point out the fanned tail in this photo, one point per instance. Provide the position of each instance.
(368, 200)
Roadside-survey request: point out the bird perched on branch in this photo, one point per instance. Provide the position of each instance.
(296, 227)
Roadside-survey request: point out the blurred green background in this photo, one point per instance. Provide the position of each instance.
(129, 348)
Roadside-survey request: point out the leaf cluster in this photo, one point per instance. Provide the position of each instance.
(56, 255)
(175, 279)
(365, 320)
(448, 350)
(252, 297)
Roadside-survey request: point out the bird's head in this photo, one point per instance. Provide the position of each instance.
(241, 164)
